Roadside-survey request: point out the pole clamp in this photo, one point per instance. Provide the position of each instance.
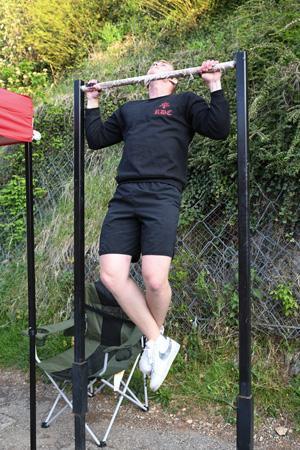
(31, 332)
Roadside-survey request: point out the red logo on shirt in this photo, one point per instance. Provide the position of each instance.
(163, 111)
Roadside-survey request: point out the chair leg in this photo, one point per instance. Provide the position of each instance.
(68, 404)
(145, 406)
(143, 343)
(102, 386)
(146, 391)
(48, 420)
(137, 401)
(45, 423)
(91, 389)
(121, 398)
(123, 394)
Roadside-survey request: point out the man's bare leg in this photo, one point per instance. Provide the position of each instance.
(155, 270)
(114, 273)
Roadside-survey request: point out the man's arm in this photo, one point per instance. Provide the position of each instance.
(211, 120)
(101, 134)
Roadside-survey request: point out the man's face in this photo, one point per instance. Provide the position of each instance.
(160, 66)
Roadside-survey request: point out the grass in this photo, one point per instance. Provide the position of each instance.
(204, 376)
(205, 373)
(14, 348)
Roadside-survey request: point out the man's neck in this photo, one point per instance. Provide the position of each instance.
(159, 91)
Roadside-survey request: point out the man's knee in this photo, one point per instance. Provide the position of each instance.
(106, 278)
(114, 271)
(111, 280)
(155, 272)
(154, 282)
(113, 283)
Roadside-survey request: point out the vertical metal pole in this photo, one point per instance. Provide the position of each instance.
(79, 369)
(31, 290)
(244, 399)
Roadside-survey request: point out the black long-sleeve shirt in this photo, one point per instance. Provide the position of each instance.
(157, 133)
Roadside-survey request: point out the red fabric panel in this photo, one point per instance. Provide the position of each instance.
(16, 118)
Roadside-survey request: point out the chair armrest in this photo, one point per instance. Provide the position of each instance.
(42, 332)
(67, 326)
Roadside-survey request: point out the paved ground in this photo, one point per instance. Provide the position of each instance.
(133, 430)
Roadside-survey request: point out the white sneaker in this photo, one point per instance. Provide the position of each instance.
(145, 360)
(164, 351)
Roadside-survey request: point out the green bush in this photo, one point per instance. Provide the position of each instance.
(13, 200)
(283, 293)
(45, 35)
(110, 33)
(24, 78)
(274, 112)
(176, 15)
(61, 33)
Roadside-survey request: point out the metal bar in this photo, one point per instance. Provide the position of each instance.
(31, 290)
(189, 72)
(244, 400)
(79, 369)
(70, 404)
(46, 421)
(121, 398)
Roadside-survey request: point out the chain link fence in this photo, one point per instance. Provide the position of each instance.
(204, 271)
(209, 289)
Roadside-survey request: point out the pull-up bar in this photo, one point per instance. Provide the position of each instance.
(244, 404)
(189, 72)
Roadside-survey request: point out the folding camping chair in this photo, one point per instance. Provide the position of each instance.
(113, 344)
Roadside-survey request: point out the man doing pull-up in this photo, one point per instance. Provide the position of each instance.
(143, 214)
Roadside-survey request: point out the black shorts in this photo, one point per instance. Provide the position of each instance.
(141, 218)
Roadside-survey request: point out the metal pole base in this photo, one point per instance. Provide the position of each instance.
(244, 423)
(79, 432)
